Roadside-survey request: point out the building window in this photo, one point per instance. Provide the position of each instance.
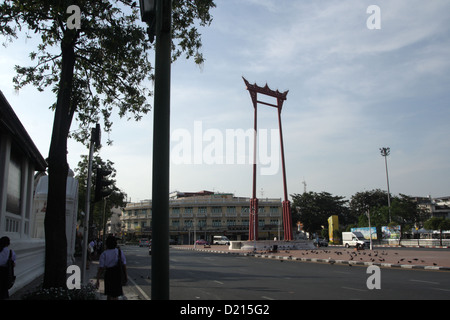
(231, 210)
(201, 223)
(13, 199)
(202, 210)
(274, 222)
(274, 210)
(231, 223)
(188, 210)
(217, 223)
(216, 210)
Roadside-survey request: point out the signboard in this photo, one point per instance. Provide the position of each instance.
(391, 232)
(333, 224)
(366, 232)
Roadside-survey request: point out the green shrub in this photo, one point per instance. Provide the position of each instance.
(86, 292)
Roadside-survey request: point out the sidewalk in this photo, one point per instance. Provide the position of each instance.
(90, 277)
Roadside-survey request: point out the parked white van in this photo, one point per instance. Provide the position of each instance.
(353, 239)
(221, 240)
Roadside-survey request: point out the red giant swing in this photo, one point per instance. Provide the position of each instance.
(254, 90)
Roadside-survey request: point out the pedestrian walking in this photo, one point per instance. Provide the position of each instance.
(112, 264)
(7, 257)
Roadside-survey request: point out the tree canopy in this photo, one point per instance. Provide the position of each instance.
(116, 199)
(313, 209)
(111, 52)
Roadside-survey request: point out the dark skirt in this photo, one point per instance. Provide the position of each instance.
(113, 283)
(4, 294)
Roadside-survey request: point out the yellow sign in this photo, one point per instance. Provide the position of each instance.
(333, 224)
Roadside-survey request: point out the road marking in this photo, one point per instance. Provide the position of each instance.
(441, 289)
(218, 282)
(423, 281)
(354, 289)
(146, 297)
(267, 298)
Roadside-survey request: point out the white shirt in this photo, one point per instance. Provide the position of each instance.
(4, 255)
(110, 257)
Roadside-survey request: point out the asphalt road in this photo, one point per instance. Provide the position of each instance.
(200, 276)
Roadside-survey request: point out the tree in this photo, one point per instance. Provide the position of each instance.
(116, 199)
(313, 209)
(403, 211)
(362, 201)
(94, 71)
(437, 223)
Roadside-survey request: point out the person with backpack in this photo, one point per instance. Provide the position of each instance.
(112, 264)
(7, 264)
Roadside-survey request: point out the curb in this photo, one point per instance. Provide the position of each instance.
(319, 260)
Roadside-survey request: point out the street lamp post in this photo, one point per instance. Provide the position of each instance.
(157, 14)
(370, 228)
(95, 141)
(385, 152)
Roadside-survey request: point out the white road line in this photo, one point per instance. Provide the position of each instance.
(146, 297)
(353, 289)
(441, 289)
(423, 281)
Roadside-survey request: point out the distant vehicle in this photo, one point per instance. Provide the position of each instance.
(221, 240)
(354, 239)
(202, 242)
(320, 242)
(172, 241)
(144, 242)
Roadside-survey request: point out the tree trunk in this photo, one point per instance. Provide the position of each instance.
(55, 217)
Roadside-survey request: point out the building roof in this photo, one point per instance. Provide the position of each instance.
(11, 125)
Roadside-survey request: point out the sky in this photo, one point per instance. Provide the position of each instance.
(358, 80)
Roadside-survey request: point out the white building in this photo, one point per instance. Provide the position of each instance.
(204, 214)
(20, 160)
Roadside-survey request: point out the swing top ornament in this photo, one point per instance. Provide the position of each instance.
(254, 89)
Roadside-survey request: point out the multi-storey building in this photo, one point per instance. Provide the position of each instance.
(437, 207)
(205, 214)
